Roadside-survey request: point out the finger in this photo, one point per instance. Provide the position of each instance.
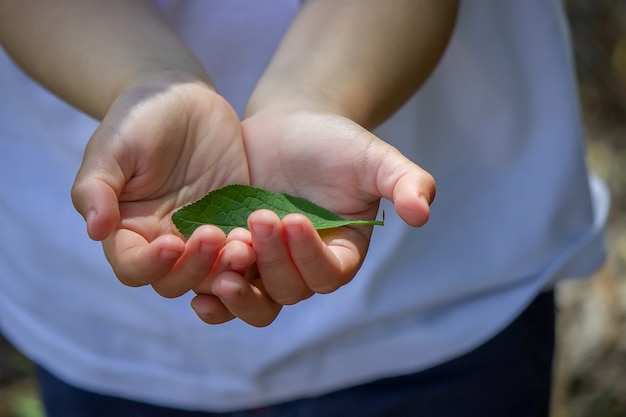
(210, 309)
(99, 182)
(324, 265)
(201, 252)
(240, 234)
(280, 276)
(137, 262)
(235, 256)
(97, 202)
(247, 301)
(412, 203)
(409, 187)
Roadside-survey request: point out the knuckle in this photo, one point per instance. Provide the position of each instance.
(131, 280)
(291, 298)
(215, 319)
(167, 291)
(328, 287)
(262, 323)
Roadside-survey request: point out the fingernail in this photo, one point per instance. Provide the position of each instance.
(89, 217)
(424, 200)
(200, 305)
(228, 290)
(294, 231)
(169, 254)
(91, 214)
(207, 248)
(261, 230)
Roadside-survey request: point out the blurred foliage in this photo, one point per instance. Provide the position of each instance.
(25, 403)
(595, 385)
(599, 37)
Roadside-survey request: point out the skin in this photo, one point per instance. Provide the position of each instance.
(307, 133)
(167, 137)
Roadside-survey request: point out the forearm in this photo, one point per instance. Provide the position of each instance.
(89, 51)
(359, 58)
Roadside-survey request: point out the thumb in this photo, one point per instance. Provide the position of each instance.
(96, 189)
(410, 188)
(97, 202)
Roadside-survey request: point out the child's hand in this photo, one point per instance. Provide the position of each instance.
(160, 146)
(335, 163)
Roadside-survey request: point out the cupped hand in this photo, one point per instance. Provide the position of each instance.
(160, 146)
(338, 165)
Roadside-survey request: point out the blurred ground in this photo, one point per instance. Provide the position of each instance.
(591, 358)
(17, 389)
(590, 366)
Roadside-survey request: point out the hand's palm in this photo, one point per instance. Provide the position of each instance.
(183, 151)
(334, 163)
(158, 148)
(323, 158)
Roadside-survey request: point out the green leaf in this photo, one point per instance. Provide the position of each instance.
(230, 206)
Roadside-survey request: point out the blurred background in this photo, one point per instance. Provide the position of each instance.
(591, 358)
(590, 367)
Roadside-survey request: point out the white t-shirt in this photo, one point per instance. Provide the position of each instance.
(497, 124)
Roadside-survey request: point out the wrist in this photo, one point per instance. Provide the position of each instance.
(171, 77)
(283, 96)
(162, 80)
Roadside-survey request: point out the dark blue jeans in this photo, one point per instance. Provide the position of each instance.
(508, 376)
